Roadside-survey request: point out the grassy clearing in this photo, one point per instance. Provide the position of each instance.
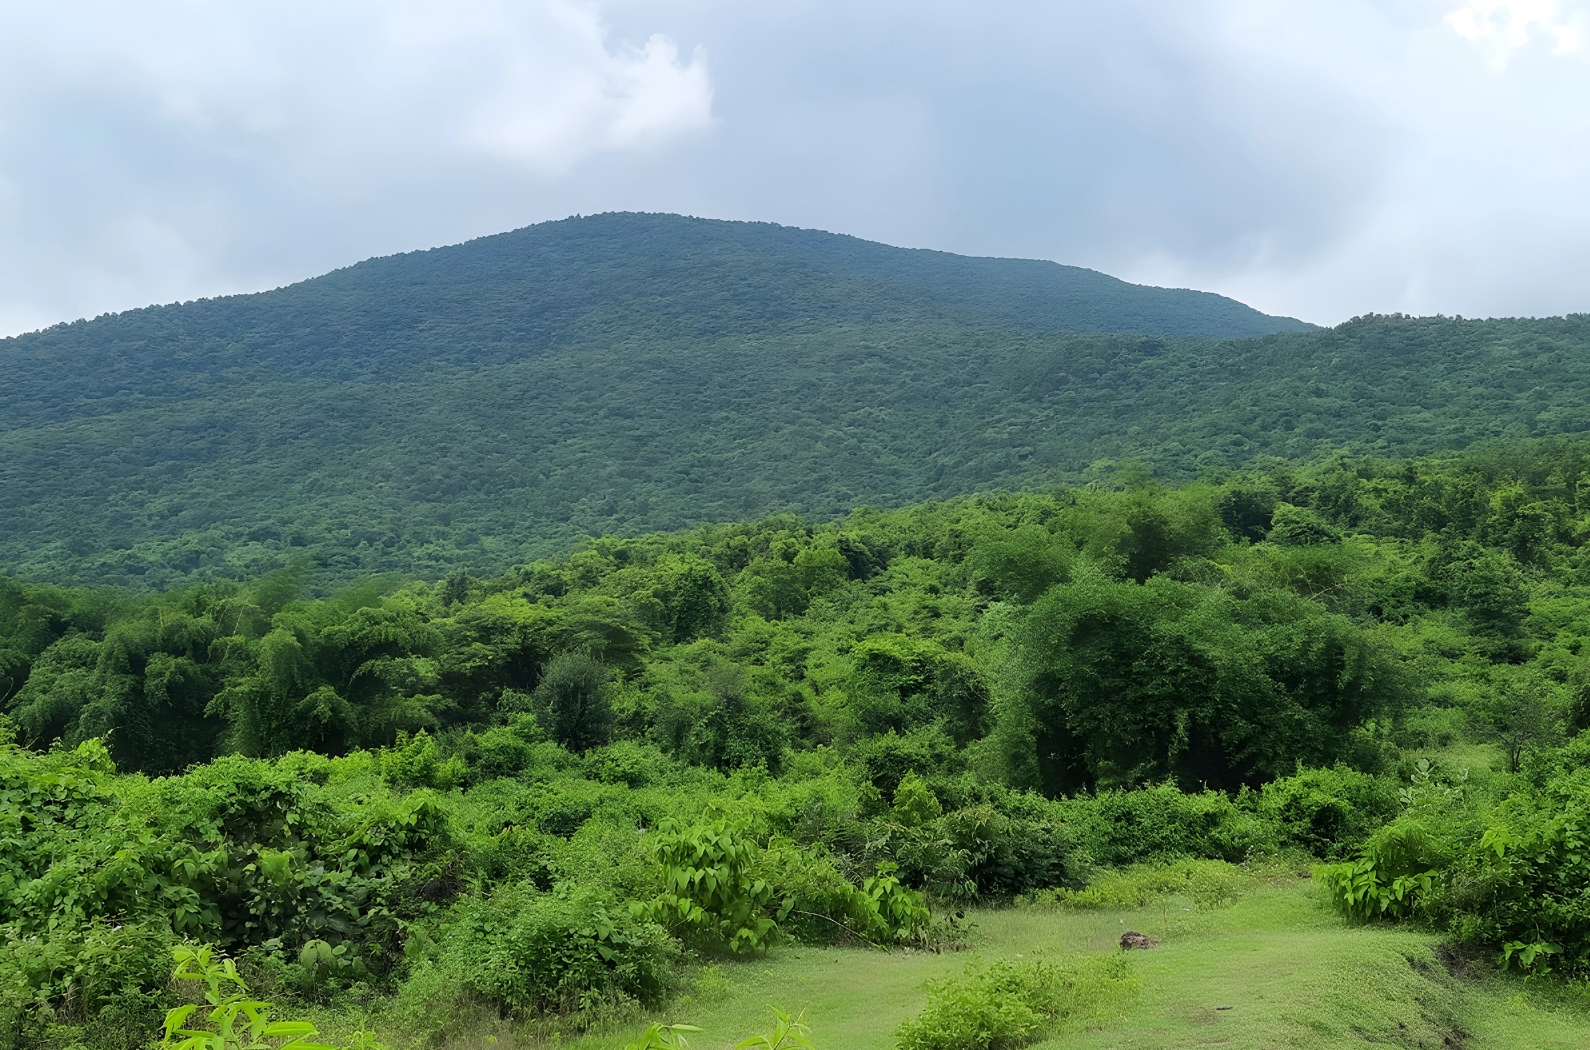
(1267, 966)
(1290, 972)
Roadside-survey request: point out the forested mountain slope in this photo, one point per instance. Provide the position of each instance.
(477, 405)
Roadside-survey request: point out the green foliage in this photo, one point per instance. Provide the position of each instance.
(1300, 527)
(789, 1033)
(101, 873)
(914, 802)
(1117, 828)
(1132, 683)
(525, 952)
(1393, 875)
(984, 851)
(229, 1018)
(1206, 883)
(775, 729)
(884, 907)
(417, 762)
(1020, 564)
(1012, 1004)
(572, 701)
(1330, 812)
(710, 888)
(601, 374)
(663, 1037)
(96, 982)
(1519, 888)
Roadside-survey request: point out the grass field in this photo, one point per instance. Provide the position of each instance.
(1275, 969)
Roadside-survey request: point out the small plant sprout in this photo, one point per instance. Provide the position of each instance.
(232, 1019)
(663, 1037)
(788, 1034)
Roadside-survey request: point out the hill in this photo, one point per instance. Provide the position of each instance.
(478, 405)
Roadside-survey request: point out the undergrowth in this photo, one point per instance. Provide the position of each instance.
(1205, 883)
(1014, 1003)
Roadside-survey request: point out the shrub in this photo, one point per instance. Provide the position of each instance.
(711, 891)
(1328, 812)
(98, 983)
(230, 1018)
(628, 763)
(1118, 828)
(510, 751)
(985, 854)
(1433, 727)
(820, 905)
(525, 953)
(914, 802)
(1520, 888)
(887, 758)
(1012, 1004)
(982, 851)
(888, 910)
(817, 899)
(1392, 875)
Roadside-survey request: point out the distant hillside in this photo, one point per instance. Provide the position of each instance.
(584, 281)
(477, 405)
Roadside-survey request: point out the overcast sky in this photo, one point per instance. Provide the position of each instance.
(1319, 158)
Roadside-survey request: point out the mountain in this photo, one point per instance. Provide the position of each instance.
(473, 406)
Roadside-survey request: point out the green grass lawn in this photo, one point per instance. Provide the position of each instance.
(1275, 969)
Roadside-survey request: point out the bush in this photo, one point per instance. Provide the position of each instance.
(711, 891)
(526, 953)
(1328, 812)
(821, 906)
(1520, 888)
(230, 1017)
(978, 852)
(914, 802)
(1433, 727)
(1012, 1004)
(416, 762)
(815, 896)
(1392, 876)
(98, 983)
(628, 763)
(572, 701)
(1160, 823)
(887, 758)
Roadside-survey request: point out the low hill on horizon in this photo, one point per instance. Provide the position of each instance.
(479, 405)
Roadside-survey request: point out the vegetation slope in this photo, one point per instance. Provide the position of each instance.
(185, 460)
(526, 797)
(483, 404)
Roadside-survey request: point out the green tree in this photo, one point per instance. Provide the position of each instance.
(572, 701)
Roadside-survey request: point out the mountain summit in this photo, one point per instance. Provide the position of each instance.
(706, 277)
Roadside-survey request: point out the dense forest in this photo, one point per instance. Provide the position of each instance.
(540, 793)
(482, 404)
(182, 458)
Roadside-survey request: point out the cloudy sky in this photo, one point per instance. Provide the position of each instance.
(1320, 158)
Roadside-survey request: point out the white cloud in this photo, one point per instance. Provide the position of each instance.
(642, 95)
(1317, 157)
(1477, 200)
(538, 82)
(1502, 27)
(168, 148)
